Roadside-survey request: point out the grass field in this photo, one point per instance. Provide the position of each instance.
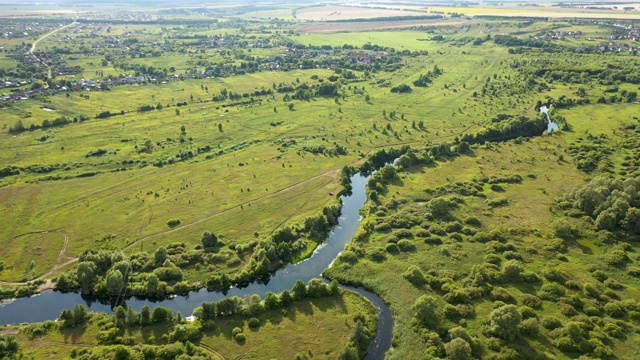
(207, 193)
(317, 327)
(172, 162)
(128, 197)
(526, 222)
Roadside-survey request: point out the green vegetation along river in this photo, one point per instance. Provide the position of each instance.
(49, 304)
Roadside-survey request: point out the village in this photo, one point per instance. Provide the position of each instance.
(116, 49)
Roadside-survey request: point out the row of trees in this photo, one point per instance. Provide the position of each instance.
(179, 338)
(427, 78)
(254, 304)
(109, 274)
(19, 126)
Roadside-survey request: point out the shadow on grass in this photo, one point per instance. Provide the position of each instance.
(525, 288)
(153, 333)
(527, 350)
(72, 335)
(328, 303)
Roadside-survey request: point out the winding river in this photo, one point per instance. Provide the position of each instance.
(49, 304)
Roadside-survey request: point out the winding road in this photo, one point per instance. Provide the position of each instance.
(33, 46)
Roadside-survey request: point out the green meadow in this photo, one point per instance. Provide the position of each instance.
(216, 180)
(314, 327)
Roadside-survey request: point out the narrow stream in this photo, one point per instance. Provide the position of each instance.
(551, 126)
(49, 304)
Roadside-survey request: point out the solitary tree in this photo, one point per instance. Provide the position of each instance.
(148, 146)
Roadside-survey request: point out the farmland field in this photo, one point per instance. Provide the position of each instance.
(164, 151)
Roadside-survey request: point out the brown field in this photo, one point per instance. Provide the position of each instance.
(328, 13)
(327, 27)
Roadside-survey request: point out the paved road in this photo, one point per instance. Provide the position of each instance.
(33, 46)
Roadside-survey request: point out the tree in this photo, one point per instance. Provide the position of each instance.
(8, 346)
(132, 316)
(631, 221)
(145, 315)
(504, 322)
(317, 288)
(285, 298)
(388, 172)
(349, 353)
(17, 127)
(439, 206)
(426, 311)
(253, 305)
(67, 318)
(270, 300)
(62, 283)
(334, 287)
(80, 314)
(209, 310)
(208, 239)
(512, 271)
(360, 338)
(120, 315)
(299, 290)
(291, 105)
(160, 255)
(148, 146)
(463, 147)
(458, 349)
(152, 284)
(86, 275)
(115, 282)
(160, 314)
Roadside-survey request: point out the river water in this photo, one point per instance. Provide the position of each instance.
(49, 304)
(551, 126)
